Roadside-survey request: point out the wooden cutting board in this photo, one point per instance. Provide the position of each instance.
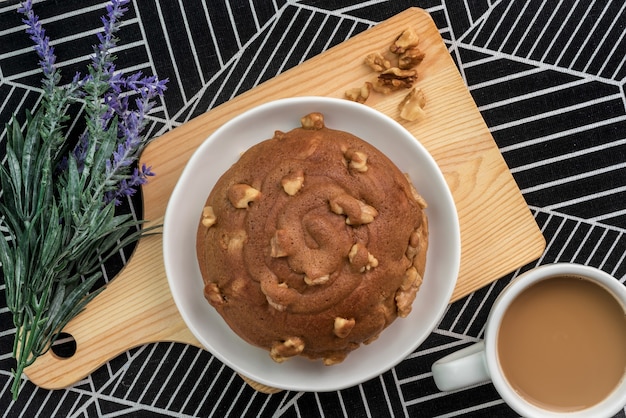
(498, 232)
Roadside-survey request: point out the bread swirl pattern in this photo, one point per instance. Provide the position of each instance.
(312, 243)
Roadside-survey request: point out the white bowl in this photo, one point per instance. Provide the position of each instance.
(218, 153)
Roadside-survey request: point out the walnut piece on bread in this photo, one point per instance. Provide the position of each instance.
(240, 195)
(343, 326)
(292, 182)
(312, 121)
(357, 160)
(208, 216)
(282, 350)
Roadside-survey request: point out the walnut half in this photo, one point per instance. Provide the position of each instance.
(407, 40)
(377, 62)
(396, 78)
(410, 58)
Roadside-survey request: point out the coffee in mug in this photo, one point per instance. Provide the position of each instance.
(555, 345)
(561, 343)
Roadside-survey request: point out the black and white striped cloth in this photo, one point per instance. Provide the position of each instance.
(548, 76)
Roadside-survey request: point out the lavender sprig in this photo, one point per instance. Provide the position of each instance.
(55, 99)
(131, 124)
(42, 46)
(59, 200)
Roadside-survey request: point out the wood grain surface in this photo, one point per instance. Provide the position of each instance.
(498, 232)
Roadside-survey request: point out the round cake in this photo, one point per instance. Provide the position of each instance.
(312, 243)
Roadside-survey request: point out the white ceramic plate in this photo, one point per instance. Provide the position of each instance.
(218, 153)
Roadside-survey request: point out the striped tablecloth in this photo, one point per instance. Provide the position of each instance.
(548, 78)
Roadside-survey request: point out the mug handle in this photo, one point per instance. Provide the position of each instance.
(462, 368)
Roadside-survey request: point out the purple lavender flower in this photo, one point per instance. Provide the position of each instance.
(42, 43)
(120, 90)
(128, 187)
(111, 24)
(130, 126)
(55, 98)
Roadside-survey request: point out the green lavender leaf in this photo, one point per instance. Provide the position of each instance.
(15, 172)
(8, 268)
(51, 237)
(28, 176)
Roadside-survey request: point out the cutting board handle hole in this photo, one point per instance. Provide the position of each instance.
(64, 346)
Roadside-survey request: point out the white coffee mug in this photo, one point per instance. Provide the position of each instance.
(480, 362)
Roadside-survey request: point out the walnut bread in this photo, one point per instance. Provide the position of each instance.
(312, 243)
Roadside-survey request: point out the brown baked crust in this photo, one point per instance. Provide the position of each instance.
(326, 247)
